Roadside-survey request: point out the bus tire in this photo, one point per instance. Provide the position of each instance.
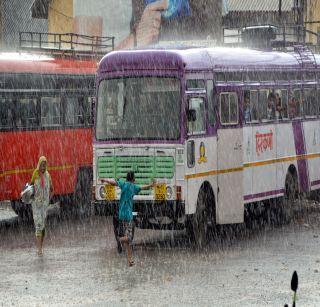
(79, 203)
(82, 194)
(203, 222)
(22, 210)
(291, 195)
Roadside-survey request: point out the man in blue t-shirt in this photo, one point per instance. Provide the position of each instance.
(125, 216)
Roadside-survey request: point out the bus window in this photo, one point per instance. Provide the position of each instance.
(310, 105)
(26, 112)
(254, 105)
(50, 111)
(228, 108)
(195, 84)
(197, 126)
(5, 113)
(263, 103)
(211, 111)
(77, 111)
(281, 105)
(297, 102)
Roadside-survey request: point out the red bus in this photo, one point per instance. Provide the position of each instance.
(45, 109)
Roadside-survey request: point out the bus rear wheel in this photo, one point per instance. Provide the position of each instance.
(202, 223)
(79, 203)
(22, 210)
(285, 211)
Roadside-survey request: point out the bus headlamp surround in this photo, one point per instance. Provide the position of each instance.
(169, 192)
(102, 192)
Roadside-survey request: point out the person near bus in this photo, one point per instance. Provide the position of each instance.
(247, 108)
(43, 191)
(279, 110)
(125, 215)
(271, 106)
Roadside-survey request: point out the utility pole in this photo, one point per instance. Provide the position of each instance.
(299, 8)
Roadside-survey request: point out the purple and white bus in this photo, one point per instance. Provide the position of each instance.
(218, 128)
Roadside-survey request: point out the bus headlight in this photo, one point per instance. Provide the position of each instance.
(169, 192)
(102, 192)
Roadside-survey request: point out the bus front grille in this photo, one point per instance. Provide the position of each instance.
(145, 168)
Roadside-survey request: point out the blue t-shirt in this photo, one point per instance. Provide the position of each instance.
(128, 190)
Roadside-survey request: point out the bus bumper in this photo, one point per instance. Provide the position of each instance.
(149, 214)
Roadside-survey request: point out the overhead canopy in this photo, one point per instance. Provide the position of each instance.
(40, 9)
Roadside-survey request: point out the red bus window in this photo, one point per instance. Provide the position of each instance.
(5, 113)
(50, 111)
(26, 112)
(77, 111)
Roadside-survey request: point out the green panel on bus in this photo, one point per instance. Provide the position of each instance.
(145, 168)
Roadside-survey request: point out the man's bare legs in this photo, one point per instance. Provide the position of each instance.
(125, 241)
(39, 239)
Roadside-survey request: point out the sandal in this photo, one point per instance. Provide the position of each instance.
(131, 263)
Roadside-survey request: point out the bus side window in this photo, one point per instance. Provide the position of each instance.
(254, 105)
(318, 101)
(263, 104)
(310, 106)
(6, 112)
(229, 108)
(297, 103)
(284, 104)
(78, 111)
(26, 112)
(50, 111)
(198, 125)
(211, 109)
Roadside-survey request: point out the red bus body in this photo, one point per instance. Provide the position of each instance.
(67, 148)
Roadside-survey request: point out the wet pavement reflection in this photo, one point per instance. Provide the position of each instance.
(81, 266)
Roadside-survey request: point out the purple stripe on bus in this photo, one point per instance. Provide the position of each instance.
(263, 194)
(316, 182)
(301, 150)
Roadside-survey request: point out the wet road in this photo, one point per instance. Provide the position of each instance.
(81, 265)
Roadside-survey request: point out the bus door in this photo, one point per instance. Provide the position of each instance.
(196, 130)
(230, 208)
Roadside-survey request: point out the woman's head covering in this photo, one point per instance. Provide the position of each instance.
(42, 159)
(36, 174)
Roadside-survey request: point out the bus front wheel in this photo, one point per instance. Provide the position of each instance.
(202, 223)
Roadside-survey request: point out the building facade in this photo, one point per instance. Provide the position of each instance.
(16, 16)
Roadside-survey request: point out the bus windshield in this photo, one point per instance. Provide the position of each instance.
(138, 108)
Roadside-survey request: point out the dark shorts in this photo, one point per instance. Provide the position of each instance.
(126, 229)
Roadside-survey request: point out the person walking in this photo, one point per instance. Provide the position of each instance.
(125, 216)
(43, 191)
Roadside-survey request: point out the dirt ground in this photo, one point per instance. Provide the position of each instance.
(81, 266)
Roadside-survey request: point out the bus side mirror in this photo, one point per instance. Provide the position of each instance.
(191, 115)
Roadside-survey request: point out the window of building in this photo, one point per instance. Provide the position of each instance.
(229, 108)
(26, 112)
(198, 125)
(6, 118)
(50, 111)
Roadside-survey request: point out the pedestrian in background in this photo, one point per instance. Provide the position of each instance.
(43, 191)
(125, 216)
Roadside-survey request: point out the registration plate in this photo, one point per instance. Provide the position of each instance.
(160, 192)
(110, 192)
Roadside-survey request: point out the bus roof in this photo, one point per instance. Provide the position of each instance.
(13, 62)
(201, 59)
